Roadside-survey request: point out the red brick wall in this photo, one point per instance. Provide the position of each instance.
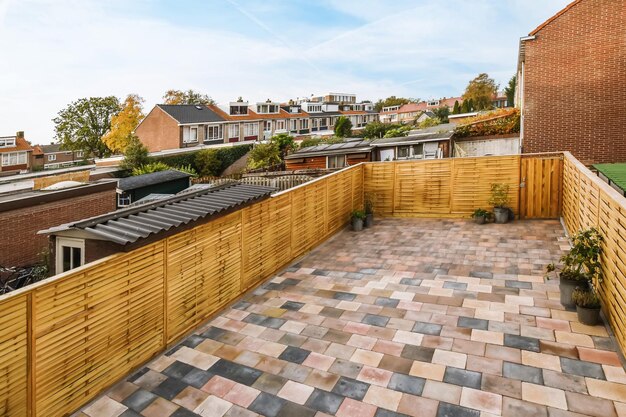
(158, 131)
(19, 243)
(575, 78)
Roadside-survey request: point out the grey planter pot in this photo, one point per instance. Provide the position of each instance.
(369, 220)
(357, 225)
(566, 287)
(588, 316)
(480, 220)
(501, 214)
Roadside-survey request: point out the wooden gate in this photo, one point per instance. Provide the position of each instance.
(540, 188)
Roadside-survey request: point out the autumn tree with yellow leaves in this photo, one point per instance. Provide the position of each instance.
(124, 123)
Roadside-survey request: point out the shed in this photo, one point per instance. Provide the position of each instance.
(135, 188)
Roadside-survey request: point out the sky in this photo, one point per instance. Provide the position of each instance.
(53, 52)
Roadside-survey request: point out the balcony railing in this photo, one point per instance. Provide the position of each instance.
(67, 338)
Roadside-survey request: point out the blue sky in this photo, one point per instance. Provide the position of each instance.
(56, 51)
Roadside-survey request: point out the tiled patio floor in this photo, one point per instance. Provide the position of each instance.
(413, 317)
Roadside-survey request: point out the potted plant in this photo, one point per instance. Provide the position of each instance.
(481, 216)
(369, 210)
(587, 305)
(580, 266)
(500, 200)
(357, 220)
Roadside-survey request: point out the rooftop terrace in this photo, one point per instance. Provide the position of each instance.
(412, 317)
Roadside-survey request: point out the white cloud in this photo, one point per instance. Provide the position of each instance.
(60, 50)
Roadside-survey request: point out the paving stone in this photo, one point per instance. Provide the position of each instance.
(169, 388)
(472, 323)
(564, 381)
(213, 333)
(270, 383)
(411, 281)
(451, 410)
(518, 284)
(139, 400)
(294, 354)
(381, 412)
(407, 384)
(512, 407)
(522, 373)
(386, 302)
(273, 322)
(375, 320)
(241, 305)
(131, 413)
(236, 372)
(348, 387)
(267, 405)
(346, 368)
(345, 296)
(325, 402)
(481, 274)
(427, 328)
(521, 342)
(462, 377)
(292, 305)
(587, 405)
(418, 353)
(455, 285)
(197, 377)
(290, 409)
(581, 368)
(192, 341)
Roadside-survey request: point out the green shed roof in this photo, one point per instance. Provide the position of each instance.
(615, 172)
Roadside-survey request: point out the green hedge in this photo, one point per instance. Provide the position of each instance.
(227, 156)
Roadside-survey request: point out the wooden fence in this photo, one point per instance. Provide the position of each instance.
(590, 202)
(66, 339)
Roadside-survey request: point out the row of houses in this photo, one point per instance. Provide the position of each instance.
(182, 126)
(17, 155)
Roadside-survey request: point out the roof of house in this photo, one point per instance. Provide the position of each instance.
(252, 115)
(131, 224)
(52, 148)
(553, 18)
(614, 172)
(411, 139)
(356, 146)
(140, 181)
(191, 113)
(21, 144)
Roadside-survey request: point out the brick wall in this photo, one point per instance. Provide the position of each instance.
(575, 78)
(19, 243)
(158, 131)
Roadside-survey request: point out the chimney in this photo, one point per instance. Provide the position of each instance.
(19, 134)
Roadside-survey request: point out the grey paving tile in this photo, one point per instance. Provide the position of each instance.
(197, 378)
(418, 353)
(236, 372)
(375, 320)
(270, 383)
(386, 302)
(427, 328)
(294, 354)
(451, 410)
(455, 285)
(348, 387)
(521, 342)
(456, 376)
(407, 384)
(518, 284)
(326, 402)
(411, 281)
(267, 404)
(183, 412)
(582, 368)
(472, 323)
(381, 412)
(178, 370)
(290, 409)
(139, 400)
(292, 305)
(522, 373)
(169, 388)
(346, 296)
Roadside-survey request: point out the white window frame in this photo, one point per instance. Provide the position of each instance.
(79, 154)
(187, 137)
(52, 157)
(123, 200)
(62, 242)
(233, 131)
(335, 158)
(280, 125)
(250, 129)
(293, 125)
(7, 142)
(14, 159)
(304, 124)
(210, 132)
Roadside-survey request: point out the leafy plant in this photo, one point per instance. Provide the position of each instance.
(499, 195)
(264, 155)
(585, 298)
(582, 262)
(135, 155)
(481, 213)
(285, 143)
(497, 122)
(343, 127)
(358, 214)
(397, 132)
(188, 169)
(208, 163)
(430, 122)
(370, 201)
(150, 168)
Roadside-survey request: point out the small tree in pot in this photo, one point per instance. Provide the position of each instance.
(500, 200)
(369, 209)
(580, 266)
(357, 220)
(481, 216)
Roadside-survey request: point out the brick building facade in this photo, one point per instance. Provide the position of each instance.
(572, 78)
(23, 215)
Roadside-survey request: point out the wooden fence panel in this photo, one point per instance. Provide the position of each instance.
(13, 351)
(542, 177)
(570, 212)
(422, 187)
(266, 237)
(308, 217)
(339, 200)
(357, 188)
(92, 327)
(203, 272)
(378, 182)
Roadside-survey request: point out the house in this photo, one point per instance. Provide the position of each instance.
(407, 113)
(170, 126)
(25, 212)
(52, 156)
(75, 243)
(15, 154)
(131, 189)
(571, 78)
(330, 156)
(488, 134)
(425, 144)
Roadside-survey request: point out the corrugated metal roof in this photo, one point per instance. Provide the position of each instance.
(405, 140)
(144, 180)
(328, 149)
(131, 224)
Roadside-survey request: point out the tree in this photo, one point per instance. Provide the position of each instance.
(376, 129)
(457, 107)
(430, 122)
(187, 97)
(124, 123)
(509, 91)
(481, 91)
(397, 132)
(81, 125)
(264, 155)
(285, 143)
(135, 154)
(442, 113)
(465, 107)
(343, 127)
(392, 101)
(208, 163)
(307, 143)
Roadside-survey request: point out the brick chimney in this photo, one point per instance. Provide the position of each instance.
(20, 134)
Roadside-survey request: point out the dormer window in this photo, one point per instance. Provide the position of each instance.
(433, 103)
(267, 108)
(237, 109)
(294, 109)
(7, 142)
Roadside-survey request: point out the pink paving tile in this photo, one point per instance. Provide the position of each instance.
(480, 400)
(366, 357)
(318, 361)
(383, 397)
(352, 408)
(242, 395)
(553, 324)
(412, 405)
(375, 376)
(388, 347)
(599, 356)
(218, 386)
(357, 328)
(363, 342)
